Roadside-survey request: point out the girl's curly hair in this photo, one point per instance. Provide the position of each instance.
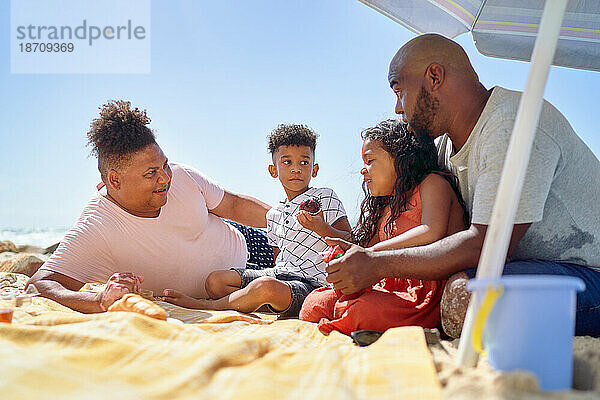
(119, 132)
(415, 157)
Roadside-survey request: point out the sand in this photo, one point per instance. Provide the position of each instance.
(482, 382)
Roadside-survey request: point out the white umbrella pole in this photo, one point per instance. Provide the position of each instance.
(495, 246)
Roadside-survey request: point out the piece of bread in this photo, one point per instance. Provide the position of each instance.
(136, 303)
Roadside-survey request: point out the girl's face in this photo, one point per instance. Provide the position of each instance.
(378, 171)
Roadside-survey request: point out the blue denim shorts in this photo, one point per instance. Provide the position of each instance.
(300, 287)
(587, 320)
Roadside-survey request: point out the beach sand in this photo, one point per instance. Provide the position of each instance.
(480, 382)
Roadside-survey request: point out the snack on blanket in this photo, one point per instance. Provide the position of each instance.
(135, 303)
(312, 205)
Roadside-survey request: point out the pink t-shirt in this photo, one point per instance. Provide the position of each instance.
(177, 249)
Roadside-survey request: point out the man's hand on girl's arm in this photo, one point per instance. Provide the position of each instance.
(357, 269)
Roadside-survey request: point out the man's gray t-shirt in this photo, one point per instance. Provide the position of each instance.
(561, 195)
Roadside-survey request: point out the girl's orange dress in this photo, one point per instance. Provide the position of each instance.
(389, 303)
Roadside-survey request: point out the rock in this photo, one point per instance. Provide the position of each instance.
(7, 245)
(49, 250)
(7, 255)
(17, 281)
(23, 263)
(30, 249)
(454, 304)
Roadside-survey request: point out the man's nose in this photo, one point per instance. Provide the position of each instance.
(399, 109)
(363, 170)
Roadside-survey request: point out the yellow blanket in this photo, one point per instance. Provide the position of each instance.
(52, 352)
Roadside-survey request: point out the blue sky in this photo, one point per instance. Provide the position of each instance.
(223, 75)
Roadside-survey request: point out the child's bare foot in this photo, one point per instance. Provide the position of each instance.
(175, 297)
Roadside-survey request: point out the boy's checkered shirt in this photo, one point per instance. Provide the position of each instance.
(301, 248)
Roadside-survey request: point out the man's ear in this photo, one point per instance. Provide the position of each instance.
(273, 171)
(114, 180)
(315, 170)
(434, 76)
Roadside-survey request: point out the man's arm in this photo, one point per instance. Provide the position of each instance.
(65, 290)
(360, 268)
(243, 209)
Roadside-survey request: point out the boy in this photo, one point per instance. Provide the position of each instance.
(296, 236)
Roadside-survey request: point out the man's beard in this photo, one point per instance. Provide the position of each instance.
(424, 115)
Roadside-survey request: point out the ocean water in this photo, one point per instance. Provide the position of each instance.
(40, 237)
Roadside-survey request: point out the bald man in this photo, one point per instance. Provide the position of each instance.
(557, 226)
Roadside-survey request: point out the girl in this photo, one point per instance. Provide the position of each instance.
(409, 201)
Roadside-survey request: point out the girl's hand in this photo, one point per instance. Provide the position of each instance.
(315, 223)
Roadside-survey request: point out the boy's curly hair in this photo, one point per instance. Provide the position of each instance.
(292, 135)
(415, 157)
(119, 132)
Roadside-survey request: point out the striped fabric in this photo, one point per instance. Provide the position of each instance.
(61, 354)
(503, 28)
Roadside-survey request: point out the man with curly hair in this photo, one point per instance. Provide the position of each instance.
(152, 222)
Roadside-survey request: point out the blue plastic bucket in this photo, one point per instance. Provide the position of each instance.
(530, 325)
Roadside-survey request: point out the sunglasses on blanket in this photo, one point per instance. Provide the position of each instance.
(366, 337)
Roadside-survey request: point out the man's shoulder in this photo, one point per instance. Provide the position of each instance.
(186, 174)
(504, 100)
(182, 170)
(181, 167)
(91, 228)
(95, 215)
(498, 120)
(500, 112)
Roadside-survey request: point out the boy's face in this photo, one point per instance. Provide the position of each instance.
(294, 166)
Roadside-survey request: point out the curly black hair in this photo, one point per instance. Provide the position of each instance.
(415, 157)
(119, 132)
(292, 135)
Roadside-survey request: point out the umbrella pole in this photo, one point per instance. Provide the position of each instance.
(495, 246)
